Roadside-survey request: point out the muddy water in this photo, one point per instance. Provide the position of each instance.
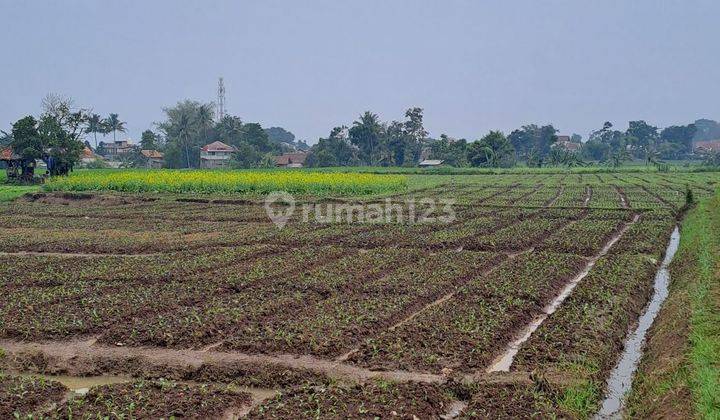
(82, 385)
(621, 377)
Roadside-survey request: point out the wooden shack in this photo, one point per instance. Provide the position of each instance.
(17, 168)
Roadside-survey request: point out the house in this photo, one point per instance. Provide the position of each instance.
(564, 143)
(116, 149)
(216, 155)
(153, 159)
(16, 167)
(430, 163)
(291, 160)
(88, 156)
(710, 146)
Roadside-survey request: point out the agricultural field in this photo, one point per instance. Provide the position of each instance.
(181, 297)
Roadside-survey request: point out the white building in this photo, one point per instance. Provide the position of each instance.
(216, 155)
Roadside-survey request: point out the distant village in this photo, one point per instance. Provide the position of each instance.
(215, 155)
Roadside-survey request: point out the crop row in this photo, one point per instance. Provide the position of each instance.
(249, 299)
(647, 236)
(343, 311)
(373, 400)
(89, 311)
(154, 399)
(48, 270)
(476, 322)
(586, 333)
(22, 397)
(586, 237)
(54, 285)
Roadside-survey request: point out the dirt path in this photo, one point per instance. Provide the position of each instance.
(552, 201)
(623, 198)
(76, 356)
(86, 357)
(588, 195)
(73, 254)
(504, 361)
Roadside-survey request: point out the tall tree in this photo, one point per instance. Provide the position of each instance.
(205, 120)
(229, 130)
(148, 140)
(95, 126)
(280, 135)
(254, 135)
(366, 134)
(533, 140)
(335, 150)
(113, 125)
(416, 135)
(493, 150)
(706, 130)
(185, 130)
(677, 141)
(451, 151)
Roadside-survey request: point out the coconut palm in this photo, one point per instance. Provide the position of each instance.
(204, 120)
(95, 125)
(113, 124)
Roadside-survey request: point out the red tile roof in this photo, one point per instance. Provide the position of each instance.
(711, 145)
(152, 154)
(290, 158)
(7, 154)
(217, 146)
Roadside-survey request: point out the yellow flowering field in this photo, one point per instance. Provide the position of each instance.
(228, 182)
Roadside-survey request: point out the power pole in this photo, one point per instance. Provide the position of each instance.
(220, 99)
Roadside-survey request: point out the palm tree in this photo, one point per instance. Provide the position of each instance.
(114, 125)
(185, 131)
(204, 118)
(95, 125)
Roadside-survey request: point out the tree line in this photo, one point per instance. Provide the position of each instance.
(57, 138)
(370, 141)
(189, 125)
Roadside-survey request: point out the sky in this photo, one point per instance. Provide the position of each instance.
(308, 66)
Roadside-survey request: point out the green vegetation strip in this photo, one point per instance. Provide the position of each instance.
(681, 368)
(11, 192)
(228, 182)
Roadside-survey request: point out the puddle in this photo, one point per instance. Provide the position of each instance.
(81, 385)
(454, 410)
(621, 377)
(504, 361)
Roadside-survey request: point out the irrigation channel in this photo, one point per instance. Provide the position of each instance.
(621, 378)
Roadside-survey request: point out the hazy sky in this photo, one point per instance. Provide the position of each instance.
(311, 65)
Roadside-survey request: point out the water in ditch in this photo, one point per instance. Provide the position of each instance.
(620, 380)
(79, 384)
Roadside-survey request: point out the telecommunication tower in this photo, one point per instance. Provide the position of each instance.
(221, 99)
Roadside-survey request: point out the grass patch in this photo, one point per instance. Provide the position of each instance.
(11, 192)
(581, 400)
(228, 182)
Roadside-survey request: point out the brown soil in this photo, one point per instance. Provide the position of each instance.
(154, 399)
(68, 198)
(512, 402)
(25, 396)
(623, 198)
(84, 358)
(376, 399)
